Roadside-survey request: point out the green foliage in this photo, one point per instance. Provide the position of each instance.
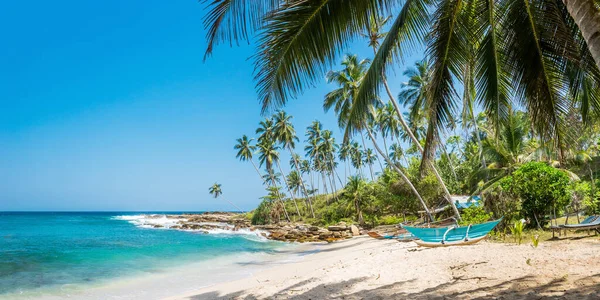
(390, 220)
(475, 215)
(262, 214)
(581, 198)
(535, 240)
(541, 188)
(517, 231)
(502, 204)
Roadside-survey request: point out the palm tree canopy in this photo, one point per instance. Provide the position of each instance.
(268, 154)
(284, 130)
(215, 190)
(245, 148)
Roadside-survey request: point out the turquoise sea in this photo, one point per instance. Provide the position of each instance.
(44, 252)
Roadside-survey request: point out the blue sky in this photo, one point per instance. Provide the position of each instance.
(107, 105)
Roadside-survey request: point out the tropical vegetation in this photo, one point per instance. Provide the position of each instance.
(505, 105)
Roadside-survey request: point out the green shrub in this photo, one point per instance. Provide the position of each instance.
(262, 214)
(390, 220)
(475, 215)
(581, 198)
(541, 188)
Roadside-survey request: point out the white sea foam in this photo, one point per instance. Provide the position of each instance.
(150, 221)
(163, 222)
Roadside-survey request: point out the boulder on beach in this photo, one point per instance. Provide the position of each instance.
(354, 230)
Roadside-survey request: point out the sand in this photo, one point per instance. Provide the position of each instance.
(365, 268)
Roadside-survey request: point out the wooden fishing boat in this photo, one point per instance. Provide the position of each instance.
(452, 235)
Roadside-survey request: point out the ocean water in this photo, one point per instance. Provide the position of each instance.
(44, 253)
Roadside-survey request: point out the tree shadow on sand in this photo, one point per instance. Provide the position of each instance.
(526, 287)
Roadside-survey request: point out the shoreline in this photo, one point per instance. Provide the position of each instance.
(175, 280)
(364, 268)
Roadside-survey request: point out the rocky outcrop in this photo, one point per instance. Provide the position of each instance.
(285, 231)
(291, 232)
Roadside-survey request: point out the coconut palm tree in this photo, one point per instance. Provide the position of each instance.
(355, 188)
(508, 151)
(313, 151)
(344, 156)
(272, 178)
(328, 149)
(348, 80)
(354, 75)
(285, 134)
(357, 158)
(268, 156)
(215, 191)
(293, 179)
(246, 151)
(370, 159)
(266, 130)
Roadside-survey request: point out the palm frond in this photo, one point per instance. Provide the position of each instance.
(536, 36)
(234, 20)
(448, 54)
(300, 41)
(492, 80)
(409, 28)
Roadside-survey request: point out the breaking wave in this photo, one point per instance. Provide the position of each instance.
(174, 223)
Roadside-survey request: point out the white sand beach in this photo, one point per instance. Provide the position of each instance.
(365, 268)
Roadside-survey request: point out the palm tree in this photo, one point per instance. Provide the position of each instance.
(215, 191)
(344, 155)
(348, 79)
(272, 178)
(349, 83)
(413, 93)
(266, 130)
(294, 181)
(285, 134)
(246, 151)
(357, 158)
(355, 188)
(328, 148)
(370, 159)
(268, 156)
(312, 149)
(397, 153)
(509, 151)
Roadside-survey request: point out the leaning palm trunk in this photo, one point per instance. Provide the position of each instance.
(371, 171)
(239, 209)
(288, 188)
(587, 17)
(324, 183)
(414, 140)
(302, 181)
(258, 171)
(412, 187)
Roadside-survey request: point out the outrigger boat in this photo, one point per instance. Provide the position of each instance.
(452, 235)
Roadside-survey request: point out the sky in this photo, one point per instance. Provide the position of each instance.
(108, 105)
